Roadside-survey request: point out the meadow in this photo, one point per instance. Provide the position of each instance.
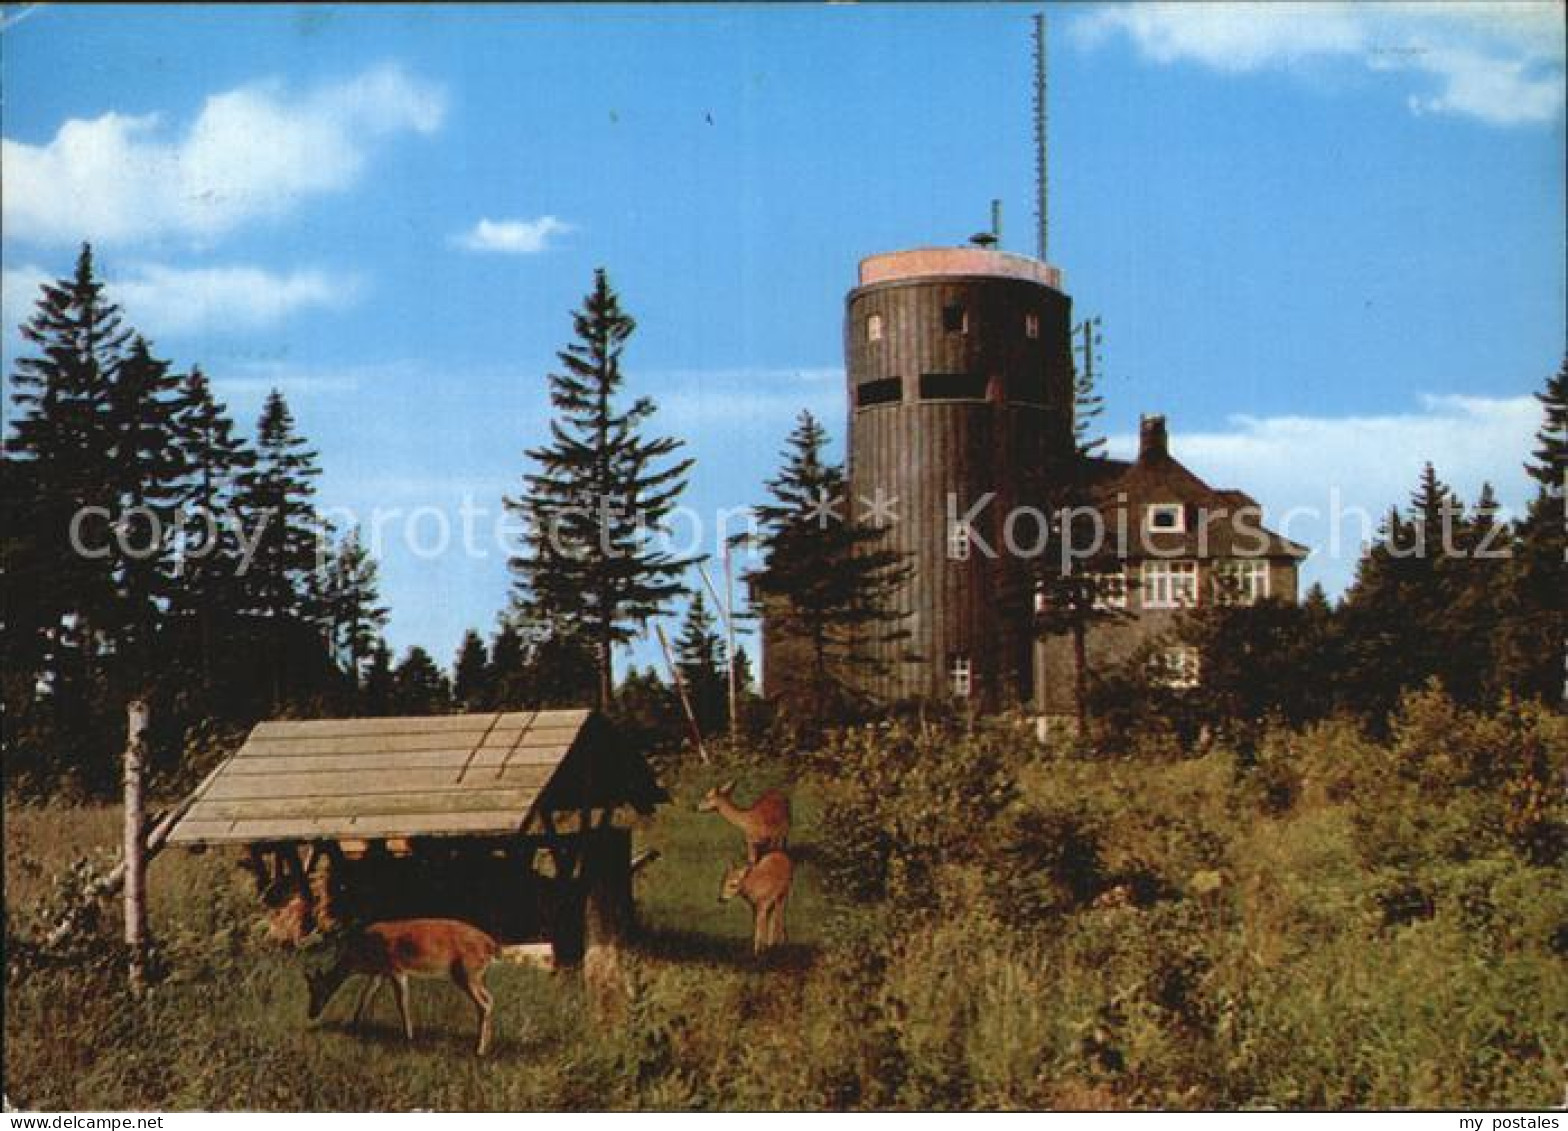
(1327, 921)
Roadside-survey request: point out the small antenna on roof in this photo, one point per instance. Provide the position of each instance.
(1042, 166)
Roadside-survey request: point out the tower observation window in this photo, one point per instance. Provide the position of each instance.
(955, 319)
(888, 390)
(952, 386)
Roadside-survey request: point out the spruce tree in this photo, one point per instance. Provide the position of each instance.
(701, 660)
(377, 696)
(419, 687)
(1533, 619)
(506, 674)
(147, 474)
(600, 489)
(470, 673)
(824, 582)
(274, 503)
(61, 447)
(207, 563)
(350, 605)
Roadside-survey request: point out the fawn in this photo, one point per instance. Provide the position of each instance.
(765, 824)
(392, 951)
(765, 885)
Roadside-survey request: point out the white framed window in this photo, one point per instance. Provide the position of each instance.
(1176, 667)
(1031, 325)
(1170, 584)
(958, 542)
(1166, 518)
(960, 676)
(1241, 581)
(1110, 590)
(874, 328)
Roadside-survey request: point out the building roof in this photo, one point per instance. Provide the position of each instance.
(1218, 522)
(955, 262)
(444, 775)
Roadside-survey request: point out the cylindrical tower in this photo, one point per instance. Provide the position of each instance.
(959, 363)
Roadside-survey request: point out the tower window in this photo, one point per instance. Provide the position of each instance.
(953, 386)
(889, 390)
(955, 319)
(960, 676)
(874, 328)
(958, 542)
(1031, 325)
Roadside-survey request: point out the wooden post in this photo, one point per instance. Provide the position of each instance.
(135, 848)
(607, 912)
(726, 613)
(680, 690)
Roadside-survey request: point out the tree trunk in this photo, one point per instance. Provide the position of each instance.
(135, 857)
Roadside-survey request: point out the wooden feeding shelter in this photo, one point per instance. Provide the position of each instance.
(518, 822)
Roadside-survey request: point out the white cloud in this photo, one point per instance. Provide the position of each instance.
(1327, 481)
(171, 300)
(251, 153)
(1500, 63)
(513, 237)
(157, 299)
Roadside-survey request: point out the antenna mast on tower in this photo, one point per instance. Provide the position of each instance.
(1042, 166)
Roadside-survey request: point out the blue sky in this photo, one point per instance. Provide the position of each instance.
(1327, 242)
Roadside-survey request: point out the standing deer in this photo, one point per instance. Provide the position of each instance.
(764, 885)
(765, 825)
(393, 950)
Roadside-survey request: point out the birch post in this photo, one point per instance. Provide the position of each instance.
(135, 849)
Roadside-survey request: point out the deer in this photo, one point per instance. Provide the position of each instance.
(393, 950)
(765, 885)
(765, 825)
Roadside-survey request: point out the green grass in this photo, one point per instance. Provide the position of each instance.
(1272, 959)
(227, 1028)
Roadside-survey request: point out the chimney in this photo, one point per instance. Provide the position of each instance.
(1152, 442)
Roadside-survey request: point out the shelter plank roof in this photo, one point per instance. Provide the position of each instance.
(481, 774)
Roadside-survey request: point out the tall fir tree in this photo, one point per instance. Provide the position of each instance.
(600, 490)
(274, 502)
(1398, 630)
(61, 448)
(209, 553)
(147, 479)
(824, 582)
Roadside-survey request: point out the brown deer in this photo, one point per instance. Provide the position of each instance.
(764, 885)
(765, 825)
(393, 950)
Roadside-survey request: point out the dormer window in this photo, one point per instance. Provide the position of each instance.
(955, 319)
(1167, 518)
(874, 328)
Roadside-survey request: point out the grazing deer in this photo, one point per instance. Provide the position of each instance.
(764, 885)
(765, 825)
(391, 951)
